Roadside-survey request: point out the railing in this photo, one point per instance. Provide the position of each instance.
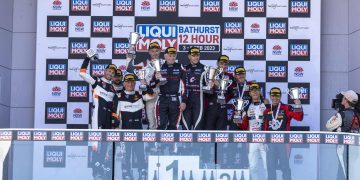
(179, 155)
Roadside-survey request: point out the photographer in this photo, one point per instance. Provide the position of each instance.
(345, 120)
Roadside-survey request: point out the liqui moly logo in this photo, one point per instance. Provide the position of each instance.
(240, 137)
(277, 28)
(149, 137)
(78, 47)
(130, 136)
(80, 5)
(313, 138)
(185, 137)
(221, 137)
(98, 69)
(124, 5)
(58, 136)
(78, 91)
(112, 136)
(24, 136)
(76, 136)
(101, 26)
(94, 136)
(277, 138)
(331, 139)
(349, 139)
(255, 6)
(39, 136)
(295, 138)
(167, 137)
(58, 26)
(121, 48)
(233, 28)
(204, 137)
(277, 71)
(299, 50)
(55, 113)
(255, 50)
(5, 135)
(56, 69)
(299, 7)
(167, 5)
(258, 138)
(211, 5)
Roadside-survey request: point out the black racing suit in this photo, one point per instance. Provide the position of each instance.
(118, 88)
(193, 114)
(167, 106)
(216, 113)
(103, 117)
(237, 91)
(130, 109)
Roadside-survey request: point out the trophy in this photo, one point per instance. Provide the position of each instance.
(210, 73)
(133, 40)
(141, 75)
(224, 84)
(157, 66)
(295, 94)
(92, 55)
(239, 105)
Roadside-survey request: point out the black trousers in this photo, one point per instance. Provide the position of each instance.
(167, 112)
(216, 117)
(193, 114)
(277, 157)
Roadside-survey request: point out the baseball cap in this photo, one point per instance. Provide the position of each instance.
(275, 91)
(118, 72)
(223, 58)
(170, 50)
(351, 96)
(154, 45)
(111, 66)
(254, 86)
(239, 70)
(129, 77)
(194, 50)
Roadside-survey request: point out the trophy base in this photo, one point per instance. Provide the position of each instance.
(237, 119)
(221, 99)
(163, 81)
(142, 87)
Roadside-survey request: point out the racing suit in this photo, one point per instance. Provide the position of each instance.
(170, 96)
(104, 117)
(130, 109)
(149, 105)
(278, 118)
(193, 115)
(253, 120)
(240, 90)
(216, 113)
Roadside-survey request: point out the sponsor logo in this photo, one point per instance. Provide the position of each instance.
(277, 28)
(313, 138)
(122, 26)
(185, 137)
(76, 136)
(187, 5)
(5, 135)
(277, 71)
(277, 138)
(211, 6)
(58, 26)
(23, 135)
(255, 28)
(78, 91)
(58, 136)
(277, 50)
(167, 5)
(56, 113)
(94, 136)
(349, 139)
(57, 5)
(233, 6)
(258, 138)
(295, 138)
(77, 113)
(299, 72)
(230, 49)
(100, 5)
(149, 137)
(78, 47)
(130, 136)
(304, 92)
(165, 35)
(240, 137)
(296, 28)
(167, 137)
(275, 6)
(124, 5)
(233, 28)
(145, 5)
(221, 137)
(112, 136)
(299, 7)
(204, 137)
(255, 49)
(101, 48)
(331, 139)
(57, 69)
(39, 136)
(299, 50)
(98, 69)
(101, 27)
(54, 156)
(80, 5)
(255, 6)
(79, 27)
(121, 48)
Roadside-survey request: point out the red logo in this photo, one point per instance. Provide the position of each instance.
(79, 27)
(145, 3)
(101, 48)
(277, 47)
(233, 4)
(255, 28)
(57, 3)
(77, 110)
(255, 25)
(79, 24)
(56, 89)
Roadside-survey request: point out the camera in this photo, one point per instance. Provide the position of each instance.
(336, 103)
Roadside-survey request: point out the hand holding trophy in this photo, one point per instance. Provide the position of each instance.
(239, 106)
(295, 94)
(156, 63)
(141, 74)
(92, 55)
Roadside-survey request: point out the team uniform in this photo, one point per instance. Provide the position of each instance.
(240, 90)
(278, 118)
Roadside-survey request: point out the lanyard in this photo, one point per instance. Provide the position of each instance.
(277, 112)
(243, 90)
